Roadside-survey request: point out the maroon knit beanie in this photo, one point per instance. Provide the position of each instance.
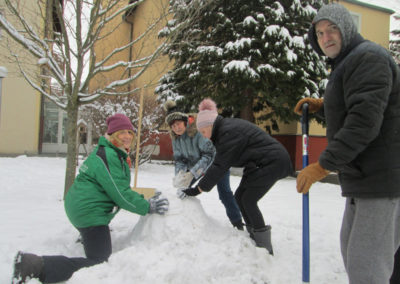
(117, 122)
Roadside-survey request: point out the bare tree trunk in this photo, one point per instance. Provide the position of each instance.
(247, 110)
(72, 113)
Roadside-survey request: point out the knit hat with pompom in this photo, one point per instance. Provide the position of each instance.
(207, 113)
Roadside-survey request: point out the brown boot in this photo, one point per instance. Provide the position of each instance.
(26, 267)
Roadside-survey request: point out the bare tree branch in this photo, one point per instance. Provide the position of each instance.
(66, 58)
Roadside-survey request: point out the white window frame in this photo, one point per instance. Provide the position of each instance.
(357, 20)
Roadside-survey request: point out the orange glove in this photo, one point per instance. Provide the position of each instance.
(310, 174)
(313, 105)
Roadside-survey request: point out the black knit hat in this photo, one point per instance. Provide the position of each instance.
(173, 113)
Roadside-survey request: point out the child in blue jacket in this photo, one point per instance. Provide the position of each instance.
(193, 154)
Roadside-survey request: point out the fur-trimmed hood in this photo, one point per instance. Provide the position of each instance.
(173, 113)
(191, 128)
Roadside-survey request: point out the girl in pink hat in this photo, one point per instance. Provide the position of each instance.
(240, 143)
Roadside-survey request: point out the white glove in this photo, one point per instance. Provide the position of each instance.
(183, 179)
(176, 178)
(180, 193)
(158, 205)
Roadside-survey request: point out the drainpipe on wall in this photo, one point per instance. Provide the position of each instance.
(3, 74)
(125, 18)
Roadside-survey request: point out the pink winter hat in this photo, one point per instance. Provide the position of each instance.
(207, 113)
(117, 122)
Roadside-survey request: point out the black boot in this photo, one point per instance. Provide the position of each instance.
(262, 237)
(26, 267)
(250, 229)
(238, 225)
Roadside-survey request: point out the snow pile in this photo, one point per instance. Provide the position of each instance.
(184, 246)
(193, 243)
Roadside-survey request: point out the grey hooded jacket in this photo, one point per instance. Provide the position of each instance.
(362, 112)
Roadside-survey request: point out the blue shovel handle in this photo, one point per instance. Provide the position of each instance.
(306, 216)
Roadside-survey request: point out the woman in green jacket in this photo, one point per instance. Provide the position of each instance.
(100, 189)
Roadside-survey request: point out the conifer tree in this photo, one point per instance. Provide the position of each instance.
(248, 55)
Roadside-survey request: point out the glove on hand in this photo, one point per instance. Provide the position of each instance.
(180, 193)
(192, 191)
(314, 105)
(158, 205)
(183, 179)
(176, 178)
(310, 174)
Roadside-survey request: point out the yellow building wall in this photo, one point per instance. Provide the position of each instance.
(116, 34)
(375, 24)
(145, 14)
(20, 103)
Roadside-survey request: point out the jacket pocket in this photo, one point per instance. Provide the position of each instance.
(351, 170)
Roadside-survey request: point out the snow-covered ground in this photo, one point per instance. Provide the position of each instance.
(194, 243)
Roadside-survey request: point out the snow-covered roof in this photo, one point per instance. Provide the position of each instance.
(373, 4)
(82, 122)
(386, 4)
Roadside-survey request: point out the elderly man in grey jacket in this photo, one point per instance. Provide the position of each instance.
(361, 106)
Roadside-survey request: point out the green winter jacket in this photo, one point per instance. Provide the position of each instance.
(101, 188)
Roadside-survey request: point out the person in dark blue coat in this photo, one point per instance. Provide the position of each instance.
(361, 106)
(240, 143)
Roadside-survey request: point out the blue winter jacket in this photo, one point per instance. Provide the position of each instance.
(192, 152)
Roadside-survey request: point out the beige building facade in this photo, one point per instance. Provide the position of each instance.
(30, 125)
(19, 102)
(132, 27)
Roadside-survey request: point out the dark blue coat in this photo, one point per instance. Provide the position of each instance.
(240, 143)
